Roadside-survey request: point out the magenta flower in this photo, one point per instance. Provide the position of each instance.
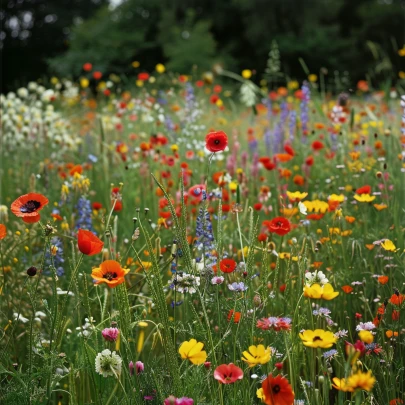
(139, 367)
(131, 368)
(110, 334)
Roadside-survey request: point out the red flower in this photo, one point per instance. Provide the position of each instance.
(309, 161)
(397, 299)
(279, 225)
(3, 231)
(277, 391)
(97, 75)
(88, 243)
(227, 265)
(216, 141)
(236, 316)
(262, 237)
(228, 373)
(143, 76)
(289, 150)
(28, 205)
(87, 67)
(364, 190)
(257, 206)
(317, 145)
(97, 206)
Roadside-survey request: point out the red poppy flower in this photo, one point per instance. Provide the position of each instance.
(3, 231)
(28, 205)
(88, 243)
(257, 206)
(317, 145)
(289, 150)
(87, 67)
(277, 391)
(97, 75)
(347, 289)
(364, 190)
(227, 265)
(262, 237)
(143, 76)
(97, 206)
(279, 225)
(216, 141)
(196, 191)
(309, 161)
(228, 373)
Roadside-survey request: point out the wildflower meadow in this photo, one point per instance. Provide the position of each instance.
(202, 239)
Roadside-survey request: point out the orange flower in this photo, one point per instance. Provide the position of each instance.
(88, 243)
(383, 279)
(236, 316)
(283, 157)
(396, 401)
(3, 231)
(370, 246)
(299, 180)
(109, 272)
(347, 289)
(350, 220)
(276, 391)
(28, 205)
(390, 334)
(397, 299)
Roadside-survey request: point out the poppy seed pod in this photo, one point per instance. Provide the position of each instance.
(32, 271)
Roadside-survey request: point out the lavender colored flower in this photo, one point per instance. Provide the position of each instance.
(84, 211)
(330, 353)
(217, 280)
(306, 97)
(110, 334)
(365, 326)
(237, 287)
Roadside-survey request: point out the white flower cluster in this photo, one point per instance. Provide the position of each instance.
(29, 120)
(108, 363)
(316, 277)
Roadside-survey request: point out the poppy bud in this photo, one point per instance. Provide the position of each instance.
(207, 365)
(279, 366)
(32, 271)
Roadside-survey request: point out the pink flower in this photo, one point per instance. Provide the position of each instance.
(178, 401)
(110, 334)
(131, 368)
(139, 366)
(228, 373)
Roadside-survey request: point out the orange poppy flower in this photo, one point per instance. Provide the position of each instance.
(276, 391)
(88, 243)
(109, 272)
(347, 289)
(397, 299)
(28, 205)
(299, 180)
(383, 279)
(350, 220)
(370, 246)
(236, 316)
(283, 157)
(390, 334)
(3, 231)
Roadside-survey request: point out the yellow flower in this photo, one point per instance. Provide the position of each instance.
(139, 83)
(380, 207)
(293, 85)
(401, 74)
(317, 206)
(312, 78)
(174, 147)
(366, 336)
(135, 64)
(341, 385)
(284, 255)
(260, 394)
(84, 82)
(296, 196)
(192, 350)
(364, 197)
(361, 381)
(160, 68)
(257, 355)
(246, 74)
(337, 198)
(401, 52)
(318, 338)
(317, 292)
(388, 245)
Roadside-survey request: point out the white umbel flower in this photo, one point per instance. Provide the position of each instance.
(108, 364)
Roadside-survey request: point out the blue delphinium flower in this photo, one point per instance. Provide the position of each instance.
(83, 209)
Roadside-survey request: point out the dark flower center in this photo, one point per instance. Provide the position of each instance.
(276, 389)
(30, 206)
(217, 141)
(110, 276)
(316, 338)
